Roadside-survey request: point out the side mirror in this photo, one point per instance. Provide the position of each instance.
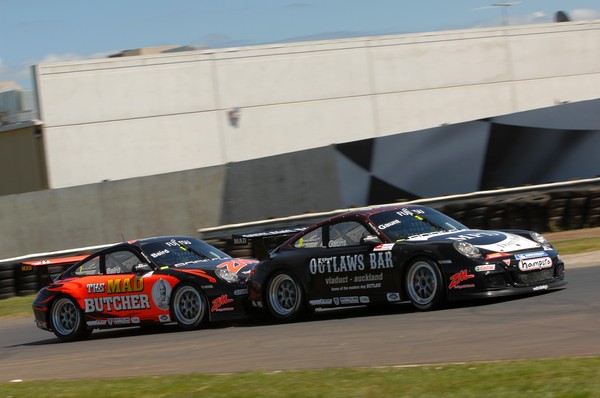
(371, 240)
(142, 268)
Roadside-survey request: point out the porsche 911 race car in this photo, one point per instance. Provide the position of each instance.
(144, 282)
(399, 253)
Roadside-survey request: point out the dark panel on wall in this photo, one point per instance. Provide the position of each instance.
(282, 185)
(518, 155)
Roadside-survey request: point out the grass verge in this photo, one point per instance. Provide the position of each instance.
(567, 377)
(577, 245)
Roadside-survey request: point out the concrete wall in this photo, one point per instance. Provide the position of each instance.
(137, 116)
(89, 215)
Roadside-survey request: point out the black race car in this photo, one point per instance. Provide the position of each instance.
(144, 282)
(399, 253)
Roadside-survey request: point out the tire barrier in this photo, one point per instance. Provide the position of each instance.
(549, 210)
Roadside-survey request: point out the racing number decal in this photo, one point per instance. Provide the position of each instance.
(234, 266)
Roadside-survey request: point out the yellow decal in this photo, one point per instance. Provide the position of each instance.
(126, 285)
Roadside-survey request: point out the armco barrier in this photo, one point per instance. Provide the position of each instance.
(542, 208)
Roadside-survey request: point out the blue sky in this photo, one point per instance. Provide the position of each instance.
(40, 31)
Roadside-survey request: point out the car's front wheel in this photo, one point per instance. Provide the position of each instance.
(284, 297)
(423, 284)
(188, 306)
(66, 320)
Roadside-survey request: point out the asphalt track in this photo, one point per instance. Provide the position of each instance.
(562, 323)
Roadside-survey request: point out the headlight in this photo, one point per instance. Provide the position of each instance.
(467, 249)
(539, 239)
(227, 276)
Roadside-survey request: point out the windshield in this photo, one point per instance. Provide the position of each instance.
(400, 224)
(179, 252)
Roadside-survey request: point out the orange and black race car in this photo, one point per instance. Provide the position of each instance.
(143, 282)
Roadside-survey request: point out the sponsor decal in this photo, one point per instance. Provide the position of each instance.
(339, 243)
(350, 263)
(507, 262)
(491, 256)
(484, 268)
(117, 303)
(384, 247)
(235, 265)
(336, 300)
(178, 243)
(207, 286)
(535, 264)
(336, 280)
(364, 300)
(460, 277)
(239, 240)
(321, 302)
(530, 255)
(161, 294)
(98, 322)
(473, 235)
(135, 320)
(240, 292)
(122, 321)
(219, 302)
(393, 297)
(164, 318)
(388, 224)
(510, 243)
(445, 261)
(95, 288)
(159, 253)
(349, 300)
(124, 285)
(368, 277)
(407, 212)
(541, 287)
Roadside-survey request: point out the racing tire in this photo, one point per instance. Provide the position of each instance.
(188, 306)
(284, 297)
(67, 320)
(423, 284)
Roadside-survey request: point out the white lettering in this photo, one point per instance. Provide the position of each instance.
(117, 303)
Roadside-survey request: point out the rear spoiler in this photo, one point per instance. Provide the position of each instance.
(258, 239)
(55, 261)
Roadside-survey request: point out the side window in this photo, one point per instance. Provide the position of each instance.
(347, 233)
(121, 262)
(90, 267)
(310, 240)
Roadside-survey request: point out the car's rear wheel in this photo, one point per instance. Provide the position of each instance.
(66, 320)
(188, 306)
(423, 284)
(284, 297)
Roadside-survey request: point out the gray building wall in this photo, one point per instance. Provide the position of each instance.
(162, 113)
